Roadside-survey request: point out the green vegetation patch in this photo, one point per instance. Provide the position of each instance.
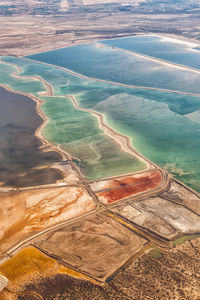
(182, 239)
(155, 253)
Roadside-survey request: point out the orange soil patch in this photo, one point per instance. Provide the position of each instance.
(27, 212)
(129, 186)
(28, 262)
(29, 265)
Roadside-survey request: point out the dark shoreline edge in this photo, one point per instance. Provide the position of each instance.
(20, 147)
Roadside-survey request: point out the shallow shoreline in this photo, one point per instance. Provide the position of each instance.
(45, 143)
(47, 86)
(76, 43)
(38, 101)
(122, 140)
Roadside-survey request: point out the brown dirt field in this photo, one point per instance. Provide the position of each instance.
(26, 34)
(172, 275)
(97, 245)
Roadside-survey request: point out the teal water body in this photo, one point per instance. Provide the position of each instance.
(26, 85)
(78, 133)
(168, 138)
(75, 131)
(57, 78)
(163, 126)
(104, 62)
(169, 49)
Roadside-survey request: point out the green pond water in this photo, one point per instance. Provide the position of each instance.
(163, 126)
(78, 133)
(165, 137)
(25, 85)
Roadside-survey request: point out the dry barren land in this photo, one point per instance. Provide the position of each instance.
(131, 237)
(26, 34)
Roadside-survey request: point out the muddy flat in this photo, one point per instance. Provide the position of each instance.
(20, 155)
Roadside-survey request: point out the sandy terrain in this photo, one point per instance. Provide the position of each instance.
(70, 175)
(179, 217)
(97, 246)
(179, 193)
(89, 2)
(22, 35)
(158, 274)
(148, 220)
(25, 213)
(170, 213)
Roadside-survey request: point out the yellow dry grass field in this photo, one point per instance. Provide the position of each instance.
(27, 266)
(28, 261)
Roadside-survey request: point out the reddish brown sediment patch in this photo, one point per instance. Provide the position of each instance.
(118, 189)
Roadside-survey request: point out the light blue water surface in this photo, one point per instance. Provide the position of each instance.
(106, 63)
(172, 50)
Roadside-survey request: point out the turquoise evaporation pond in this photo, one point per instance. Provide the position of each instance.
(166, 137)
(58, 79)
(170, 49)
(77, 132)
(103, 62)
(26, 85)
(165, 127)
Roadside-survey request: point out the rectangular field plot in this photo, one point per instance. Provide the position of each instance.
(110, 191)
(173, 212)
(148, 221)
(97, 245)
